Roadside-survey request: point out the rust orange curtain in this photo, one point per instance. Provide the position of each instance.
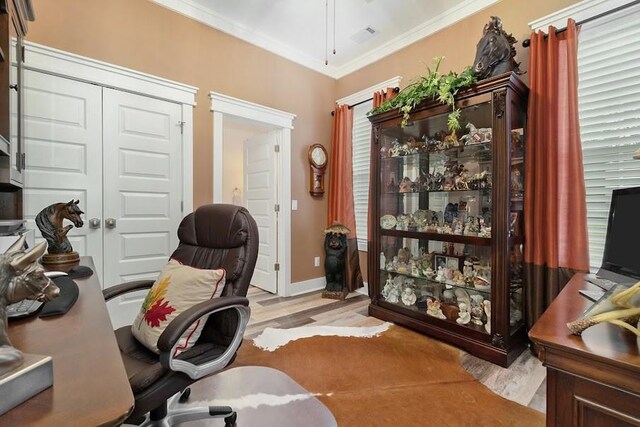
(555, 200)
(341, 208)
(383, 95)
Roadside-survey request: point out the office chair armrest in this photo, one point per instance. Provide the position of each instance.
(178, 326)
(123, 288)
(169, 338)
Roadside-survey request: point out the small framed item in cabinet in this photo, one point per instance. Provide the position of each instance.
(446, 259)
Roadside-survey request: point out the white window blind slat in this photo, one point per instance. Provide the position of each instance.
(609, 110)
(361, 140)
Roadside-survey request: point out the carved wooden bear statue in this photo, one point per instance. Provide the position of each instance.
(335, 246)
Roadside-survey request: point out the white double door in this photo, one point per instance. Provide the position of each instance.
(119, 154)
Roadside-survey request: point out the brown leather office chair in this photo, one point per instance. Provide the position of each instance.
(212, 237)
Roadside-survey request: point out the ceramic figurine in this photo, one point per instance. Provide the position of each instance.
(458, 278)
(394, 295)
(487, 310)
(440, 275)
(433, 309)
(467, 270)
(383, 260)
(414, 268)
(429, 273)
(464, 316)
(404, 254)
(408, 296)
(387, 287)
(477, 309)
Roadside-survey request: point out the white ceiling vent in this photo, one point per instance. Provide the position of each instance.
(364, 35)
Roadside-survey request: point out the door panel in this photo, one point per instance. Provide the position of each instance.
(260, 191)
(63, 144)
(142, 171)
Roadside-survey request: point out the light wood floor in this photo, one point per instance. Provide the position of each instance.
(523, 382)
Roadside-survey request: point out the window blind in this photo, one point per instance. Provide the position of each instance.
(361, 158)
(609, 110)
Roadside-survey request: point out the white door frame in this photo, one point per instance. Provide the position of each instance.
(282, 122)
(64, 64)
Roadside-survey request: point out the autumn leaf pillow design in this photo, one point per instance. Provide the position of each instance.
(178, 288)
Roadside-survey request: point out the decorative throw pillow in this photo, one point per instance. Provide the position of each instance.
(177, 288)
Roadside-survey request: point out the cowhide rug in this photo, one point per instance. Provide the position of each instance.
(389, 376)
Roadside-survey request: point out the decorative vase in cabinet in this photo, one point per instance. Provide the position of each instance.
(446, 255)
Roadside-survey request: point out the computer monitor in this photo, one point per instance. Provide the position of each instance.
(621, 258)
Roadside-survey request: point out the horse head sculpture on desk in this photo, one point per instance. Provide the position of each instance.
(21, 277)
(49, 221)
(495, 52)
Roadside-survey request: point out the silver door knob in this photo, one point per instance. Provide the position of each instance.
(110, 223)
(94, 223)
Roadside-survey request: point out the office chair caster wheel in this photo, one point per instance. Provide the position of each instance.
(231, 419)
(185, 395)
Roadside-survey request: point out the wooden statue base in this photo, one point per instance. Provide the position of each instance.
(341, 295)
(60, 261)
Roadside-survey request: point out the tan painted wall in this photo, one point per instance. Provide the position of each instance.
(146, 37)
(143, 36)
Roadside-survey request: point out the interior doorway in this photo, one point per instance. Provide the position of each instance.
(252, 165)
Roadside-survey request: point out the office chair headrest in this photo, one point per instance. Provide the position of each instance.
(216, 226)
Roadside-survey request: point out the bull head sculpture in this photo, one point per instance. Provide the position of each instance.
(21, 277)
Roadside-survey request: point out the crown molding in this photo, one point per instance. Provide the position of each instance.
(206, 16)
(439, 22)
(579, 12)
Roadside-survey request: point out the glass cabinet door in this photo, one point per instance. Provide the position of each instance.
(435, 217)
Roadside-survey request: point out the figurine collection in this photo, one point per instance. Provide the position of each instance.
(445, 291)
(454, 220)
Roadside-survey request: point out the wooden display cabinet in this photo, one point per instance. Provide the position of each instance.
(446, 256)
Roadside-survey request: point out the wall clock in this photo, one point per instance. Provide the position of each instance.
(317, 164)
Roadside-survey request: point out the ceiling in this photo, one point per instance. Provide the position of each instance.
(296, 29)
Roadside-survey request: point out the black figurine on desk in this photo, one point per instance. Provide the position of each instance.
(21, 277)
(49, 222)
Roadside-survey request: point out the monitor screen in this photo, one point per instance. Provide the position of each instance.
(621, 253)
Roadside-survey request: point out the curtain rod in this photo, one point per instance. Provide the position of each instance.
(527, 42)
(395, 90)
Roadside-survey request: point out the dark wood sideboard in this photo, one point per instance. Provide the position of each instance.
(592, 380)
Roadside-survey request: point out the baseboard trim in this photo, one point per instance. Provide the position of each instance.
(364, 290)
(311, 285)
(306, 286)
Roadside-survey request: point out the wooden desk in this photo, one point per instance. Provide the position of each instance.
(593, 380)
(90, 385)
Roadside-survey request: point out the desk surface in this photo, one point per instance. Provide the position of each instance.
(601, 345)
(90, 385)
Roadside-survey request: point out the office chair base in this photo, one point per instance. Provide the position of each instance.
(176, 415)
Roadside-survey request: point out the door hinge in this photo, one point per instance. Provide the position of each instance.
(276, 207)
(181, 206)
(276, 148)
(22, 53)
(276, 267)
(181, 124)
(23, 161)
